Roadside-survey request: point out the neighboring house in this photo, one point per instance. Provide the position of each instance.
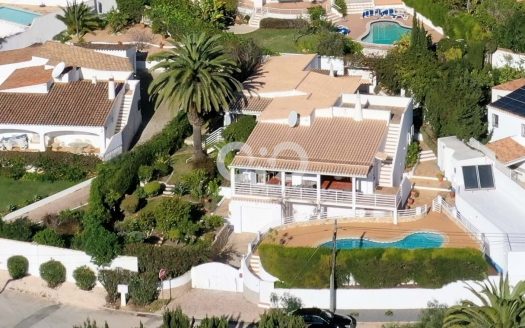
(318, 149)
(488, 196)
(66, 98)
(506, 120)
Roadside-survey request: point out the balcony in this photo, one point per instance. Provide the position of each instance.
(327, 196)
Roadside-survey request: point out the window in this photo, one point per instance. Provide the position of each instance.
(99, 8)
(478, 177)
(495, 120)
(523, 130)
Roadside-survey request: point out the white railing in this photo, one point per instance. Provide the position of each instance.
(441, 206)
(413, 213)
(258, 190)
(301, 193)
(291, 12)
(215, 136)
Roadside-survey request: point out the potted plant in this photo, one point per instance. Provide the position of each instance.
(410, 201)
(440, 176)
(414, 193)
(452, 193)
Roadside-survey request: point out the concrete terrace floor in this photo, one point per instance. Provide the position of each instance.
(314, 234)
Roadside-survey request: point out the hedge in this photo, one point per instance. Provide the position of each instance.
(110, 279)
(120, 175)
(143, 288)
(17, 266)
(302, 267)
(176, 260)
(20, 229)
(49, 237)
(279, 23)
(52, 166)
(53, 272)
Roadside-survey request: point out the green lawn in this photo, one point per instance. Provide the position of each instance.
(178, 162)
(19, 191)
(277, 40)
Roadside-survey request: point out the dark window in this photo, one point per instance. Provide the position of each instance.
(523, 130)
(99, 8)
(486, 180)
(470, 176)
(495, 120)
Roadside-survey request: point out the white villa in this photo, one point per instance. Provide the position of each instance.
(66, 98)
(319, 147)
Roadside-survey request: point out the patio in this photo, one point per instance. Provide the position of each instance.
(316, 232)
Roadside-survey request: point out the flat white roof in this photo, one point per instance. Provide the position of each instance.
(503, 212)
(461, 150)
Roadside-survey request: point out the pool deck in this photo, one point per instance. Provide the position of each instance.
(36, 9)
(314, 234)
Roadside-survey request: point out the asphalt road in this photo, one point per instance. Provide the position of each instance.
(25, 311)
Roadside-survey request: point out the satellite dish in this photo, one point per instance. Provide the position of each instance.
(59, 68)
(293, 119)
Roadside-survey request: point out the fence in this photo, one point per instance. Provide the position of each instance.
(71, 259)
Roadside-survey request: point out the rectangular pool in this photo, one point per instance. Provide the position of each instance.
(18, 16)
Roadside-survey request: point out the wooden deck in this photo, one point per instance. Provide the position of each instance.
(314, 234)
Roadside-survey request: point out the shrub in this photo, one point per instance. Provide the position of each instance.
(196, 181)
(49, 237)
(175, 319)
(215, 322)
(110, 279)
(91, 324)
(19, 229)
(210, 222)
(145, 173)
(278, 318)
(85, 278)
(342, 7)
(153, 188)
(143, 222)
(133, 9)
(177, 260)
(162, 165)
(17, 266)
(117, 20)
(176, 214)
(130, 204)
(101, 244)
(279, 23)
(412, 154)
(373, 268)
(143, 288)
(53, 272)
(240, 130)
(316, 13)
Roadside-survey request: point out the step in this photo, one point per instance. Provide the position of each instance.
(264, 305)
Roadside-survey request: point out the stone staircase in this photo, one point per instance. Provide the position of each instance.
(427, 155)
(255, 267)
(357, 6)
(333, 17)
(387, 167)
(123, 113)
(255, 20)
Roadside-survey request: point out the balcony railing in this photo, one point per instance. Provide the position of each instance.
(310, 194)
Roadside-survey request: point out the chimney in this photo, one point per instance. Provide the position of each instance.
(358, 108)
(111, 88)
(94, 79)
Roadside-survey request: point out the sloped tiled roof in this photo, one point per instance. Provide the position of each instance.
(511, 85)
(507, 150)
(337, 146)
(250, 104)
(57, 52)
(78, 103)
(26, 76)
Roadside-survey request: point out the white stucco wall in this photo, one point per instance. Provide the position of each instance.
(71, 259)
(44, 28)
(252, 216)
(216, 276)
(509, 125)
(405, 137)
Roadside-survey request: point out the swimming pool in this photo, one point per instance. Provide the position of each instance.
(385, 33)
(21, 17)
(412, 241)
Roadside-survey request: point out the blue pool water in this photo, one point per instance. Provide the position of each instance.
(385, 33)
(17, 16)
(412, 241)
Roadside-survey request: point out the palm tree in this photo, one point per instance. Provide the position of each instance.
(79, 19)
(197, 78)
(501, 307)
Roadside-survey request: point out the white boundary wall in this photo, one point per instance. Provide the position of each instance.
(71, 259)
(503, 57)
(53, 198)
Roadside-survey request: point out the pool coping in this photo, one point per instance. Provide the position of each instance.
(360, 38)
(445, 239)
(23, 10)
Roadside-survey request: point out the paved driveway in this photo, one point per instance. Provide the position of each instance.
(24, 311)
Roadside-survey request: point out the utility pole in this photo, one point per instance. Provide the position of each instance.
(332, 274)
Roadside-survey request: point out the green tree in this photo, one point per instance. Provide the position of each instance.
(79, 19)
(101, 244)
(132, 9)
(502, 306)
(197, 78)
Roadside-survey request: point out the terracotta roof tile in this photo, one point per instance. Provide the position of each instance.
(507, 150)
(105, 46)
(251, 104)
(511, 85)
(81, 57)
(17, 55)
(78, 103)
(27, 76)
(338, 146)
